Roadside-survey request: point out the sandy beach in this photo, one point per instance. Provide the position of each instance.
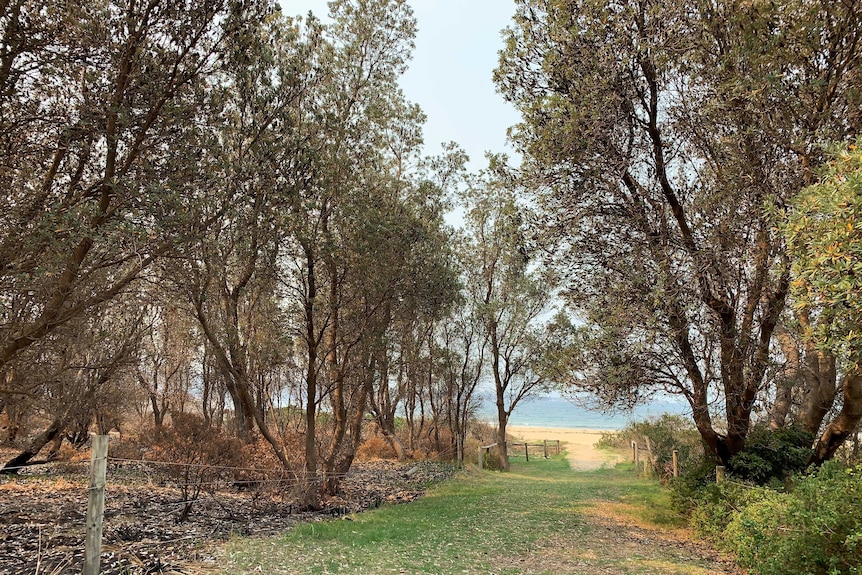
(579, 443)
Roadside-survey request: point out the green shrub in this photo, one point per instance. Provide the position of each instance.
(813, 528)
(666, 433)
(718, 506)
(688, 490)
(772, 455)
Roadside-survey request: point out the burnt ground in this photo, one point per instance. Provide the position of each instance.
(43, 509)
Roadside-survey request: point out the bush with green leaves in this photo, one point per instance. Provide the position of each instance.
(666, 433)
(715, 506)
(688, 491)
(812, 528)
(772, 454)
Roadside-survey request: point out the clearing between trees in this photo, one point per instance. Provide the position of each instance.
(540, 518)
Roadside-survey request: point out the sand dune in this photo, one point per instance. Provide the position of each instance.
(579, 443)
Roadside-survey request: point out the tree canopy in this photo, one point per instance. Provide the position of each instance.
(656, 136)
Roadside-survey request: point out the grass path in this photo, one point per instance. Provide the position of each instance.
(541, 518)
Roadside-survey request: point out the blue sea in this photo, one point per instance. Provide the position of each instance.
(557, 411)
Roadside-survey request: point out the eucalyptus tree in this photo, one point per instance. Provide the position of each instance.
(96, 101)
(392, 261)
(463, 343)
(657, 135)
(424, 305)
(412, 318)
(167, 353)
(79, 374)
(230, 273)
(354, 229)
(509, 292)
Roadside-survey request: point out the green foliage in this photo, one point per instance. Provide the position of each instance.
(772, 454)
(717, 504)
(688, 491)
(823, 235)
(653, 135)
(666, 433)
(812, 528)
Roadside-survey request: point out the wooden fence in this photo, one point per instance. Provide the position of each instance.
(649, 462)
(548, 447)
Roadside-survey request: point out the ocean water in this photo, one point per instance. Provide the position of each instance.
(556, 411)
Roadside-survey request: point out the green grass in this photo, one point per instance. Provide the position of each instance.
(479, 522)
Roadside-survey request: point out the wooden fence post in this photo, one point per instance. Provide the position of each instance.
(634, 452)
(546, 448)
(527, 451)
(637, 449)
(558, 447)
(675, 463)
(96, 504)
(481, 457)
(648, 462)
(719, 473)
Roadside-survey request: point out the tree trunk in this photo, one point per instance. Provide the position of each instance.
(383, 409)
(820, 382)
(502, 450)
(789, 377)
(348, 450)
(821, 389)
(343, 453)
(158, 414)
(13, 420)
(310, 496)
(845, 423)
(395, 443)
(23, 459)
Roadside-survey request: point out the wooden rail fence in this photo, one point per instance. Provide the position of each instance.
(548, 446)
(650, 461)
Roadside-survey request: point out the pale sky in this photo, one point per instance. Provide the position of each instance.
(450, 74)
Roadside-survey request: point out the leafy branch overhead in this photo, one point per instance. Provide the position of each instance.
(823, 234)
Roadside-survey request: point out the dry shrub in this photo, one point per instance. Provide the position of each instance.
(375, 447)
(69, 454)
(263, 473)
(127, 448)
(70, 460)
(479, 433)
(201, 457)
(293, 443)
(483, 431)
(432, 443)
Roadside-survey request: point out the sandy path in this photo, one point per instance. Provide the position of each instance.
(579, 444)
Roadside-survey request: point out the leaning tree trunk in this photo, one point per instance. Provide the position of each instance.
(845, 423)
(343, 453)
(23, 459)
